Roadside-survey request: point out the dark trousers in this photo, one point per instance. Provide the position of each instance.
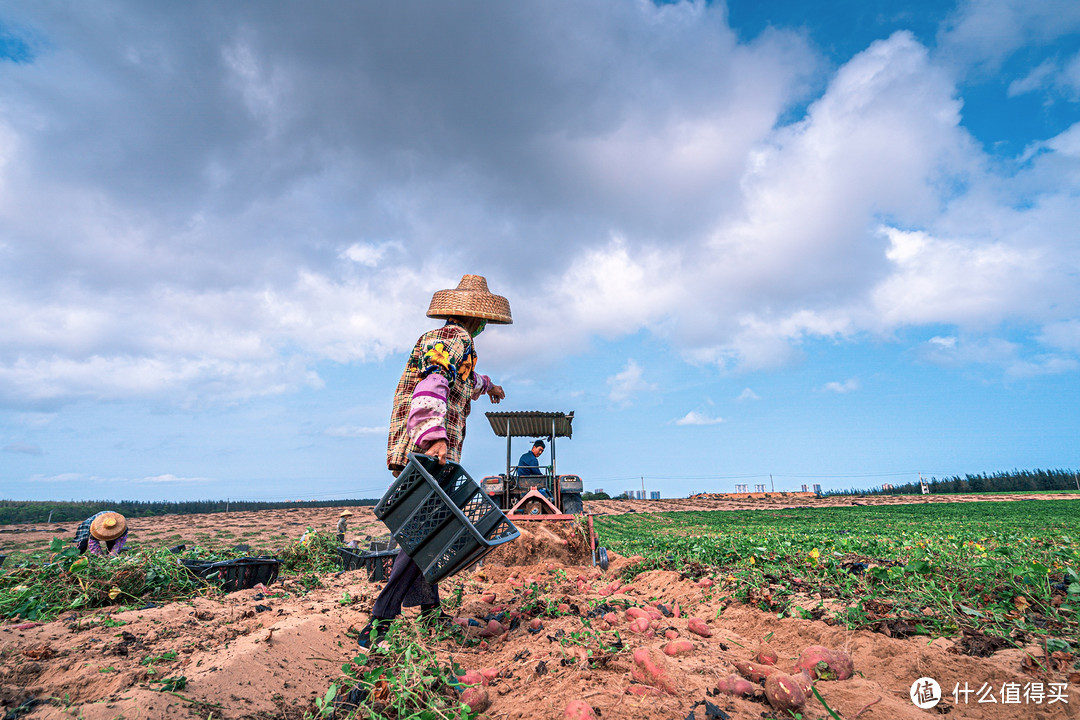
(403, 577)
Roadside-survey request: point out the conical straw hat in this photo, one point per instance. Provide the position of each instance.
(109, 526)
(471, 299)
(345, 513)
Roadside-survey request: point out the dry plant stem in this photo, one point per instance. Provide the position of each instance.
(866, 708)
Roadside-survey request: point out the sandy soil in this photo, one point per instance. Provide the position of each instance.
(268, 652)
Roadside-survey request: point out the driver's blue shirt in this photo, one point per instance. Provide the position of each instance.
(528, 465)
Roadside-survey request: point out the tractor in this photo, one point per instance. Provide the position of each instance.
(547, 496)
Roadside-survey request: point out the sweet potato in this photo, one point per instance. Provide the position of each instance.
(705, 583)
(650, 670)
(754, 672)
(635, 613)
(671, 634)
(822, 663)
(676, 610)
(476, 698)
(678, 647)
(488, 597)
(698, 627)
(642, 690)
(578, 710)
(640, 625)
(611, 618)
(784, 692)
(735, 685)
(471, 677)
(536, 624)
(489, 674)
(493, 629)
(564, 608)
(766, 656)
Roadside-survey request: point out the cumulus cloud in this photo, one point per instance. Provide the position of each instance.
(627, 383)
(842, 388)
(282, 187)
(695, 418)
(748, 394)
(354, 431)
(24, 448)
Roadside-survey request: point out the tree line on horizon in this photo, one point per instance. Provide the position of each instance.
(39, 511)
(1007, 481)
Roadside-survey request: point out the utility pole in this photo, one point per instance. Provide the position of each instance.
(771, 483)
(226, 504)
(642, 487)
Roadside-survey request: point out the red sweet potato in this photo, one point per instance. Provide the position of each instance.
(640, 625)
(650, 670)
(678, 647)
(671, 634)
(493, 629)
(705, 583)
(823, 663)
(489, 674)
(676, 610)
(753, 671)
(564, 608)
(698, 627)
(536, 624)
(635, 613)
(766, 656)
(735, 685)
(578, 710)
(488, 597)
(642, 690)
(471, 677)
(611, 618)
(476, 698)
(784, 692)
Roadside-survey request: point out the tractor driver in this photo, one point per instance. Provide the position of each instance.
(529, 463)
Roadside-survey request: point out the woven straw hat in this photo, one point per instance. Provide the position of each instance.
(471, 299)
(108, 526)
(345, 513)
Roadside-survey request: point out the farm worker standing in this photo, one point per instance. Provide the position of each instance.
(342, 524)
(431, 403)
(529, 464)
(102, 534)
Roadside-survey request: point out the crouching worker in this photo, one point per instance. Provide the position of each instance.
(431, 403)
(102, 534)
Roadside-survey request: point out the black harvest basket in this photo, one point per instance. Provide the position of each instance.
(378, 564)
(441, 518)
(239, 574)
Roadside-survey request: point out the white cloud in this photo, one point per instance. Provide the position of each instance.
(842, 388)
(748, 394)
(695, 418)
(627, 383)
(81, 479)
(24, 448)
(354, 431)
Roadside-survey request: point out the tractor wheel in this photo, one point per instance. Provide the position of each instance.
(571, 504)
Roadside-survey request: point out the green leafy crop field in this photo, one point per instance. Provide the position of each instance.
(989, 569)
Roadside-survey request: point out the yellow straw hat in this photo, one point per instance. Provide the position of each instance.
(108, 526)
(345, 513)
(471, 299)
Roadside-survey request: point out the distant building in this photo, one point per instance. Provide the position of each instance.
(759, 488)
(654, 495)
(598, 490)
(817, 489)
(806, 488)
(886, 486)
(741, 488)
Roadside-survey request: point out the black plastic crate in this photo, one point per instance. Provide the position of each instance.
(441, 517)
(238, 574)
(377, 564)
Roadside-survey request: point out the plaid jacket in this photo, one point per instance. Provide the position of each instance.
(449, 352)
(82, 533)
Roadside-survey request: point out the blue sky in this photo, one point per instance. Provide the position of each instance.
(833, 243)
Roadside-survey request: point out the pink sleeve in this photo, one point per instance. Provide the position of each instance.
(93, 547)
(427, 411)
(481, 384)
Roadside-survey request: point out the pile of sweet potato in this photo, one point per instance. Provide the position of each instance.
(787, 691)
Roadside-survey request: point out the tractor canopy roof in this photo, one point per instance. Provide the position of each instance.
(531, 423)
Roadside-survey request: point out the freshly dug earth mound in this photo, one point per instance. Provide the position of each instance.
(561, 541)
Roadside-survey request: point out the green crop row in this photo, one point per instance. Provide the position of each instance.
(1003, 569)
